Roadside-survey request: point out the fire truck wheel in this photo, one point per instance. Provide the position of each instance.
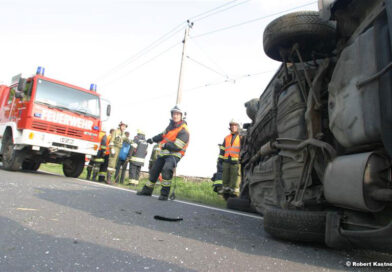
(31, 165)
(73, 167)
(12, 159)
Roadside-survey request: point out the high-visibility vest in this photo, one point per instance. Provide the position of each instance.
(232, 150)
(171, 136)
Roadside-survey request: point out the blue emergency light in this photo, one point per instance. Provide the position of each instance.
(40, 71)
(93, 87)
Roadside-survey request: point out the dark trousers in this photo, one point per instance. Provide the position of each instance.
(134, 171)
(121, 164)
(164, 165)
(104, 165)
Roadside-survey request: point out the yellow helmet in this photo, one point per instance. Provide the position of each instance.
(139, 131)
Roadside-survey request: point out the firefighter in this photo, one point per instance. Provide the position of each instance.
(138, 153)
(123, 159)
(230, 158)
(104, 166)
(96, 161)
(173, 143)
(217, 177)
(116, 141)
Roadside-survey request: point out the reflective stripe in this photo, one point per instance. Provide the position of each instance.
(166, 183)
(221, 157)
(168, 153)
(179, 143)
(136, 159)
(216, 182)
(164, 152)
(111, 169)
(150, 184)
(98, 160)
(232, 158)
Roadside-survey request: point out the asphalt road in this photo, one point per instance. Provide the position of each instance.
(53, 223)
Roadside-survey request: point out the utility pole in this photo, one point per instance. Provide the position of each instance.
(179, 91)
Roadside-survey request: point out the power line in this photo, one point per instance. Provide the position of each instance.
(143, 51)
(193, 18)
(222, 10)
(251, 21)
(146, 62)
(229, 80)
(209, 57)
(207, 85)
(157, 42)
(208, 68)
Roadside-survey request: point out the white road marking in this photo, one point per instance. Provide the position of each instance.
(179, 201)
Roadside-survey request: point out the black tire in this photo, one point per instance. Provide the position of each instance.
(239, 204)
(73, 167)
(31, 165)
(295, 225)
(12, 159)
(304, 28)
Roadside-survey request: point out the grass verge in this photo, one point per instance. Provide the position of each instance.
(186, 189)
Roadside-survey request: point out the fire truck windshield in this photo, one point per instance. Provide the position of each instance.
(60, 96)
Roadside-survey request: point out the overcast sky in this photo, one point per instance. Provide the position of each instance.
(83, 42)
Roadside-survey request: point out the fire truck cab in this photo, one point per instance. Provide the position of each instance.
(45, 120)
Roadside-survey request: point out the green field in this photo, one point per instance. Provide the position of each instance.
(197, 191)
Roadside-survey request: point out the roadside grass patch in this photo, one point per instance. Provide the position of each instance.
(197, 191)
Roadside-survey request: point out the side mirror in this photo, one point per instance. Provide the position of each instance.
(108, 109)
(22, 85)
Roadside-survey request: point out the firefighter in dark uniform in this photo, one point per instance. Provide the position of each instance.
(173, 143)
(116, 142)
(138, 153)
(96, 161)
(230, 157)
(104, 166)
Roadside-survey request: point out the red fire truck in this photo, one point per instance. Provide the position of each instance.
(46, 120)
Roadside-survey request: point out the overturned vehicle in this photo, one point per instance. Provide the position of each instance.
(316, 161)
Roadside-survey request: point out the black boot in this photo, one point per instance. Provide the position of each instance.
(165, 190)
(88, 173)
(146, 191)
(101, 178)
(109, 178)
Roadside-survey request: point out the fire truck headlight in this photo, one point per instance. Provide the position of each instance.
(31, 135)
(95, 147)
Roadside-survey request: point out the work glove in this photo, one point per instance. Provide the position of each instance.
(112, 151)
(150, 141)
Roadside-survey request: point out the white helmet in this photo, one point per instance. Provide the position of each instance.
(234, 121)
(178, 109)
